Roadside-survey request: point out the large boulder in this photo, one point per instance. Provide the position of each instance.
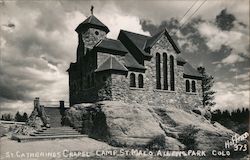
(192, 130)
(117, 123)
(153, 127)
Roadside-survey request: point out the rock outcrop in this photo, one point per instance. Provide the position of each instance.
(38, 117)
(166, 127)
(115, 122)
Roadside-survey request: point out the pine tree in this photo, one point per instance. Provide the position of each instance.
(25, 117)
(7, 117)
(18, 117)
(207, 84)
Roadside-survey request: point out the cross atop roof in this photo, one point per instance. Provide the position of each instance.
(92, 10)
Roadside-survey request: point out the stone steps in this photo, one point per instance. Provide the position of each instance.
(56, 133)
(50, 133)
(40, 132)
(53, 134)
(36, 138)
(56, 129)
(54, 115)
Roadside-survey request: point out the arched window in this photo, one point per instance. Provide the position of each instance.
(140, 80)
(193, 86)
(172, 85)
(132, 80)
(187, 86)
(158, 70)
(165, 71)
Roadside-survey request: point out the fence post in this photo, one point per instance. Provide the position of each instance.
(61, 104)
(36, 103)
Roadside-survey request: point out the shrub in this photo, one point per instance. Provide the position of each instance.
(188, 137)
(158, 142)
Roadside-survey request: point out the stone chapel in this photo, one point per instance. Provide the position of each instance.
(133, 68)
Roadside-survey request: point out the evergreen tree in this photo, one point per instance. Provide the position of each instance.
(7, 117)
(207, 84)
(18, 117)
(25, 117)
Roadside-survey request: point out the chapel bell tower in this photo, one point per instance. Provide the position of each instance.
(90, 32)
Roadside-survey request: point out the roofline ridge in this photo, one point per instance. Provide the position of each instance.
(111, 59)
(144, 45)
(103, 62)
(90, 18)
(99, 42)
(122, 30)
(157, 34)
(170, 39)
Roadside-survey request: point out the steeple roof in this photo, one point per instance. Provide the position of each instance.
(92, 22)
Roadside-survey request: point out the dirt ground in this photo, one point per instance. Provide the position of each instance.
(73, 149)
(49, 149)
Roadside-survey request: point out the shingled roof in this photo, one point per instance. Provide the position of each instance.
(111, 45)
(111, 63)
(138, 40)
(143, 42)
(93, 22)
(190, 72)
(130, 62)
(180, 59)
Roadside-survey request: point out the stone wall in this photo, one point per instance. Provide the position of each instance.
(120, 87)
(103, 86)
(92, 36)
(99, 92)
(116, 87)
(149, 94)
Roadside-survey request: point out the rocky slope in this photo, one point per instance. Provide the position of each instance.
(166, 127)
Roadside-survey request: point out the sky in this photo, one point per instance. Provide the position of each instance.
(38, 42)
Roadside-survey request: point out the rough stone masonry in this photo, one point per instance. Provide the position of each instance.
(134, 69)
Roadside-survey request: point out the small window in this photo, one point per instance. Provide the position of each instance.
(140, 80)
(132, 80)
(96, 33)
(187, 86)
(193, 86)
